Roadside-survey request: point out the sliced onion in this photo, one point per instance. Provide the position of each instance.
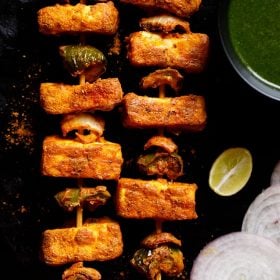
(263, 215)
(161, 77)
(275, 176)
(162, 142)
(165, 23)
(157, 239)
(238, 255)
(87, 127)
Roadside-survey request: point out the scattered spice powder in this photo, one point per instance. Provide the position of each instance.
(116, 47)
(19, 131)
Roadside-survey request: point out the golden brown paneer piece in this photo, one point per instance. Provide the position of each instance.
(100, 240)
(188, 52)
(183, 113)
(182, 8)
(102, 95)
(69, 158)
(155, 199)
(101, 18)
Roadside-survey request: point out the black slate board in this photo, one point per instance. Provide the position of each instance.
(237, 116)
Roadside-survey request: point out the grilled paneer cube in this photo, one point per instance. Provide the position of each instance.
(99, 240)
(182, 8)
(155, 199)
(102, 95)
(188, 52)
(186, 113)
(101, 18)
(69, 158)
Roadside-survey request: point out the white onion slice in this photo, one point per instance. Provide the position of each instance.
(263, 215)
(238, 256)
(80, 122)
(275, 176)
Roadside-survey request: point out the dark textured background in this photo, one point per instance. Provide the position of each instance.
(237, 116)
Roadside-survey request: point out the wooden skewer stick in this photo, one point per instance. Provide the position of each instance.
(82, 41)
(82, 79)
(160, 132)
(161, 91)
(158, 230)
(158, 277)
(79, 213)
(79, 217)
(161, 95)
(158, 226)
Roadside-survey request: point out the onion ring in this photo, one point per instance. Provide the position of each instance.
(263, 215)
(275, 176)
(238, 255)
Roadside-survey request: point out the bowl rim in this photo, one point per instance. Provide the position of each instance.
(235, 60)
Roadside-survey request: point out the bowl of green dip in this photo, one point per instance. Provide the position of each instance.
(250, 35)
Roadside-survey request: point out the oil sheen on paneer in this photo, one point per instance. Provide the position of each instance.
(70, 158)
(188, 52)
(181, 8)
(99, 240)
(101, 18)
(155, 199)
(186, 113)
(102, 95)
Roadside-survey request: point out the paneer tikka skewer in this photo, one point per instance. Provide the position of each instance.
(166, 43)
(81, 150)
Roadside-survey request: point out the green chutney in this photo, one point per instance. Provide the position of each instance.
(254, 30)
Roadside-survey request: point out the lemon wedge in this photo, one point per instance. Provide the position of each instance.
(231, 171)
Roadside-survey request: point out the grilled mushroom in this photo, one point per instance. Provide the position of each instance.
(162, 162)
(163, 259)
(78, 272)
